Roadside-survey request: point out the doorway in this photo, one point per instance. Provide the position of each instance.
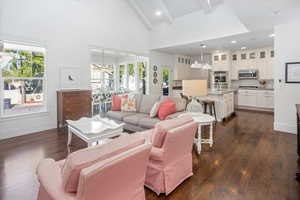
(166, 81)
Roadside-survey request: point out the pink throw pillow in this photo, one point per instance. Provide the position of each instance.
(166, 108)
(117, 102)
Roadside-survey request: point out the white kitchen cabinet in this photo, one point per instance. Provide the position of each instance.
(234, 66)
(221, 61)
(265, 99)
(260, 59)
(262, 99)
(247, 98)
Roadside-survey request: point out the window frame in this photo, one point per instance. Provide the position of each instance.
(26, 109)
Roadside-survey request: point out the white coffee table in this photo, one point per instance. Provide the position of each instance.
(202, 120)
(93, 130)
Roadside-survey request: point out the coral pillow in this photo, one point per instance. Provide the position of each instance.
(117, 102)
(166, 108)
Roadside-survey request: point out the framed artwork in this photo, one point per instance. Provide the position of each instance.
(69, 78)
(292, 72)
(155, 74)
(154, 68)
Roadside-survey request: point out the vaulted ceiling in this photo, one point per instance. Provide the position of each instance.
(170, 9)
(258, 17)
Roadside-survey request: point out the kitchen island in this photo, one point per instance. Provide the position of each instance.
(223, 98)
(224, 102)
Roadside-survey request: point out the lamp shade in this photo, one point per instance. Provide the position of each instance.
(194, 88)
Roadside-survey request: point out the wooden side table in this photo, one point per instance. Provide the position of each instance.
(202, 120)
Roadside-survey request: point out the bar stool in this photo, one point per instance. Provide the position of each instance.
(211, 107)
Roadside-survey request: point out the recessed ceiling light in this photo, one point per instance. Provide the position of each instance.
(272, 35)
(233, 41)
(243, 48)
(158, 13)
(203, 45)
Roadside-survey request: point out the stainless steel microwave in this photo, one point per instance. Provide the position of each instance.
(248, 74)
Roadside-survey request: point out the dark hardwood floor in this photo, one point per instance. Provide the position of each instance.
(248, 161)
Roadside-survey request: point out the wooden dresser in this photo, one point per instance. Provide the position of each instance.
(72, 105)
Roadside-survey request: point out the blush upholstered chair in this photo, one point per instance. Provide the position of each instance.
(112, 171)
(170, 160)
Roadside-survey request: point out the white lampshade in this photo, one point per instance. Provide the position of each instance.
(194, 88)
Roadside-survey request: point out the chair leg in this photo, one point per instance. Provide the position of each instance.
(205, 107)
(210, 110)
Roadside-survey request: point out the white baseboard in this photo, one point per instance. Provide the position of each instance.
(283, 127)
(17, 131)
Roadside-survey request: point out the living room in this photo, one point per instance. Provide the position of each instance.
(153, 49)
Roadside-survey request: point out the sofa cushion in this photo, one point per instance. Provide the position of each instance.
(118, 115)
(148, 122)
(154, 109)
(134, 119)
(163, 127)
(166, 108)
(147, 103)
(180, 103)
(81, 159)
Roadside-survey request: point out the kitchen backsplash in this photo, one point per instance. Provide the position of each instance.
(235, 84)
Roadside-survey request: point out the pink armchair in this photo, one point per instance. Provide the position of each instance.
(171, 155)
(111, 171)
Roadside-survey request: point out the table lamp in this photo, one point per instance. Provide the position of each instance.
(193, 89)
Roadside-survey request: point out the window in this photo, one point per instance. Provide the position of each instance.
(102, 77)
(142, 67)
(122, 77)
(22, 79)
(131, 77)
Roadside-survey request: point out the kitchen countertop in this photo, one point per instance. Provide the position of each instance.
(220, 92)
(271, 89)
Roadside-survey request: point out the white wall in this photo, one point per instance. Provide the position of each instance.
(197, 26)
(162, 60)
(67, 28)
(287, 49)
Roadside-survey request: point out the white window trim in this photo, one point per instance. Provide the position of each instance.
(4, 117)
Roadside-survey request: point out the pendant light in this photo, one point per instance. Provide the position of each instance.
(202, 64)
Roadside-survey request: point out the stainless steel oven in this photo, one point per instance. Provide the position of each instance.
(250, 74)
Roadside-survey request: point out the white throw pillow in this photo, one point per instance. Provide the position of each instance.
(154, 109)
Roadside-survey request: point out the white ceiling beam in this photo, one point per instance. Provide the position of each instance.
(140, 13)
(165, 11)
(206, 5)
